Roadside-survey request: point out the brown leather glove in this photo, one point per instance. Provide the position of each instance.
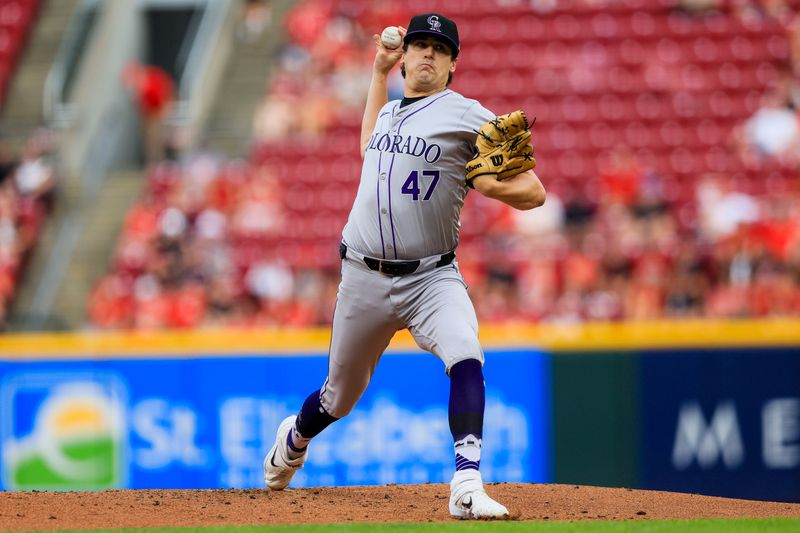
(503, 148)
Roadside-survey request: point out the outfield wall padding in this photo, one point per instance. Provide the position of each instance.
(702, 406)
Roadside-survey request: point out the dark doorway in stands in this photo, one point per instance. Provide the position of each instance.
(169, 33)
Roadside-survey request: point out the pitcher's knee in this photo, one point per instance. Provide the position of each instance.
(337, 406)
(461, 345)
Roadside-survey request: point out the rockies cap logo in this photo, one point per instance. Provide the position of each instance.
(433, 20)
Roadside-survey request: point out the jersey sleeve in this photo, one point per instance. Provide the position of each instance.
(474, 117)
(471, 121)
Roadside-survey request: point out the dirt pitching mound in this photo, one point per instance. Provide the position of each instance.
(394, 503)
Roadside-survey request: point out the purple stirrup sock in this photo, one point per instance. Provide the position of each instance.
(313, 418)
(467, 402)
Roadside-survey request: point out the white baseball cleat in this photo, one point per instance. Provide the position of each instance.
(278, 468)
(468, 500)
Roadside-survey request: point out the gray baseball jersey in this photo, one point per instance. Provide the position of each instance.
(412, 180)
(407, 208)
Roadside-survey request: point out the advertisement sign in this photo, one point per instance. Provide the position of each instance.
(722, 422)
(208, 422)
(63, 432)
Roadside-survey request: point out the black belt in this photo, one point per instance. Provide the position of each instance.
(397, 268)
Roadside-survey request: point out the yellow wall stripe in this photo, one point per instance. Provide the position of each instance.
(558, 338)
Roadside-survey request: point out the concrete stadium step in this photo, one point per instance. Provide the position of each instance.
(229, 124)
(23, 108)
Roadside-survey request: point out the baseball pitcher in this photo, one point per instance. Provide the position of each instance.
(421, 155)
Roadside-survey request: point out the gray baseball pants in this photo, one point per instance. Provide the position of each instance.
(371, 307)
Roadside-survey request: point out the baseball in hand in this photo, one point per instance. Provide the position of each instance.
(390, 38)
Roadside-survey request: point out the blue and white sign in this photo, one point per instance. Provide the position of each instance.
(722, 422)
(208, 422)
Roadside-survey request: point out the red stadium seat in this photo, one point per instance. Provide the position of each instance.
(605, 26)
(638, 135)
(778, 48)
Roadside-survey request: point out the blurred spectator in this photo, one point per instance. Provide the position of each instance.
(645, 296)
(318, 111)
(621, 176)
(324, 72)
(35, 177)
(256, 15)
(685, 292)
(794, 47)
(259, 213)
(225, 304)
(789, 84)
(270, 281)
(579, 208)
(188, 304)
(722, 208)
(154, 93)
(623, 262)
(779, 10)
(772, 132)
(10, 247)
(307, 21)
(539, 6)
(110, 302)
(699, 7)
(550, 221)
(7, 162)
(175, 266)
(749, 10)
(350, 81)
(26, 192)
(274, 119)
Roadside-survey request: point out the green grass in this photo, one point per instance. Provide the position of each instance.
(770, 525)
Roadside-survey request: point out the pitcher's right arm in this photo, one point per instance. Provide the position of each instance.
(378, 95)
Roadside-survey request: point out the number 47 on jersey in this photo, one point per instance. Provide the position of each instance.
(412, 184)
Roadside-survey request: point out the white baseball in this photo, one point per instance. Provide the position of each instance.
(391, 37)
